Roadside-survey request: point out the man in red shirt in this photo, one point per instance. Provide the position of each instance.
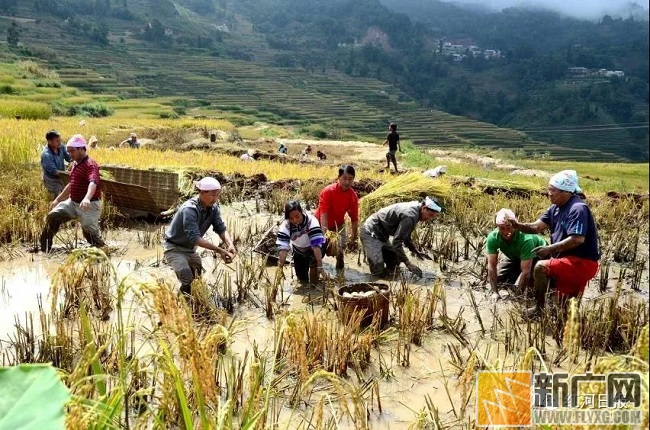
(334, 202)
(80, 199)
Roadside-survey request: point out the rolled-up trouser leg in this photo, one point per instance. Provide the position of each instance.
(186, 265)
(62, 213)
(373, 249)
(90, 222)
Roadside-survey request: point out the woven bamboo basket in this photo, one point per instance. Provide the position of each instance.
(374, 306)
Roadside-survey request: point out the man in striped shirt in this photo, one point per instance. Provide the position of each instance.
(80, 199)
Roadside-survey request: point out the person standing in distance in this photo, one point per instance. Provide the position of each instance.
(392, 140)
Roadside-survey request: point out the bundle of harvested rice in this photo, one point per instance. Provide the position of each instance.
(332, 238)
(404, 188)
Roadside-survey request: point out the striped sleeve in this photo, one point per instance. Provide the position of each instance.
(577, 220)
(283, 240)
(315, 233)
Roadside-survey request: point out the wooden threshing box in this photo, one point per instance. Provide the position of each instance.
(147, 191)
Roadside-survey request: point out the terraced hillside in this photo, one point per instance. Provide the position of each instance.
(130, 68)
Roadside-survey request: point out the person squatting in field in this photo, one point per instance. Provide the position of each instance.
(300, 232)
(572, 258)
(334, 202)
(80, 199)
(399, 221)
(517, 259)
(186, 230)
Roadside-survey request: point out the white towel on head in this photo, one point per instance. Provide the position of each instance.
(566, 180)
(503, 215)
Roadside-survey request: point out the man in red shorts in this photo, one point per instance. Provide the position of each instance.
(573, 252)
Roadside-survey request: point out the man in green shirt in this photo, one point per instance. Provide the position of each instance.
(518, 256)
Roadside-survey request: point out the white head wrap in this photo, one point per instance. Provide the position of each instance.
(207, 184)
(431, 204)
(504, 214)
(566, 180)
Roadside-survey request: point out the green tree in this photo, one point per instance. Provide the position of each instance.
(13, 34)
(8, 6)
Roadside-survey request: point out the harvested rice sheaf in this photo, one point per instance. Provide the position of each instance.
(526, 362)
(332, 238)
(404, 188)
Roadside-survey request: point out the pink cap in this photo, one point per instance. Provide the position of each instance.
(77, 141)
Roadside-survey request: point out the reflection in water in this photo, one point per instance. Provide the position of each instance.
(20, 290)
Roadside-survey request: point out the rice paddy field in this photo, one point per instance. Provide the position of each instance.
(255, 349)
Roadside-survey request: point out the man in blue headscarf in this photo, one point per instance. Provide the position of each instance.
(572, 258)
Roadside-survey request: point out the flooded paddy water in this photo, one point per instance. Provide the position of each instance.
(413, 377)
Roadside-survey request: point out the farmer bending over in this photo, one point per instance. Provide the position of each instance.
(518, 258)
(185, 233)
(334, 201)
(80, 199)
(399, 221)
(131, 142)
(573, 252)
(301, 233)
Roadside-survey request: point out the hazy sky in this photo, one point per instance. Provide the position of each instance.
(577, 8)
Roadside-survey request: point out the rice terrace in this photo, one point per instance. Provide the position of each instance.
(120, 327)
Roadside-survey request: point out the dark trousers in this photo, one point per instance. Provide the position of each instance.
(509, 270)
(302, 261)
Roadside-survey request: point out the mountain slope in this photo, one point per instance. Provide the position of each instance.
(345, 64)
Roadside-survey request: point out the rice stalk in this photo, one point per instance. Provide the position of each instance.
(86, 277)
(571, 339)
(641, 349)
